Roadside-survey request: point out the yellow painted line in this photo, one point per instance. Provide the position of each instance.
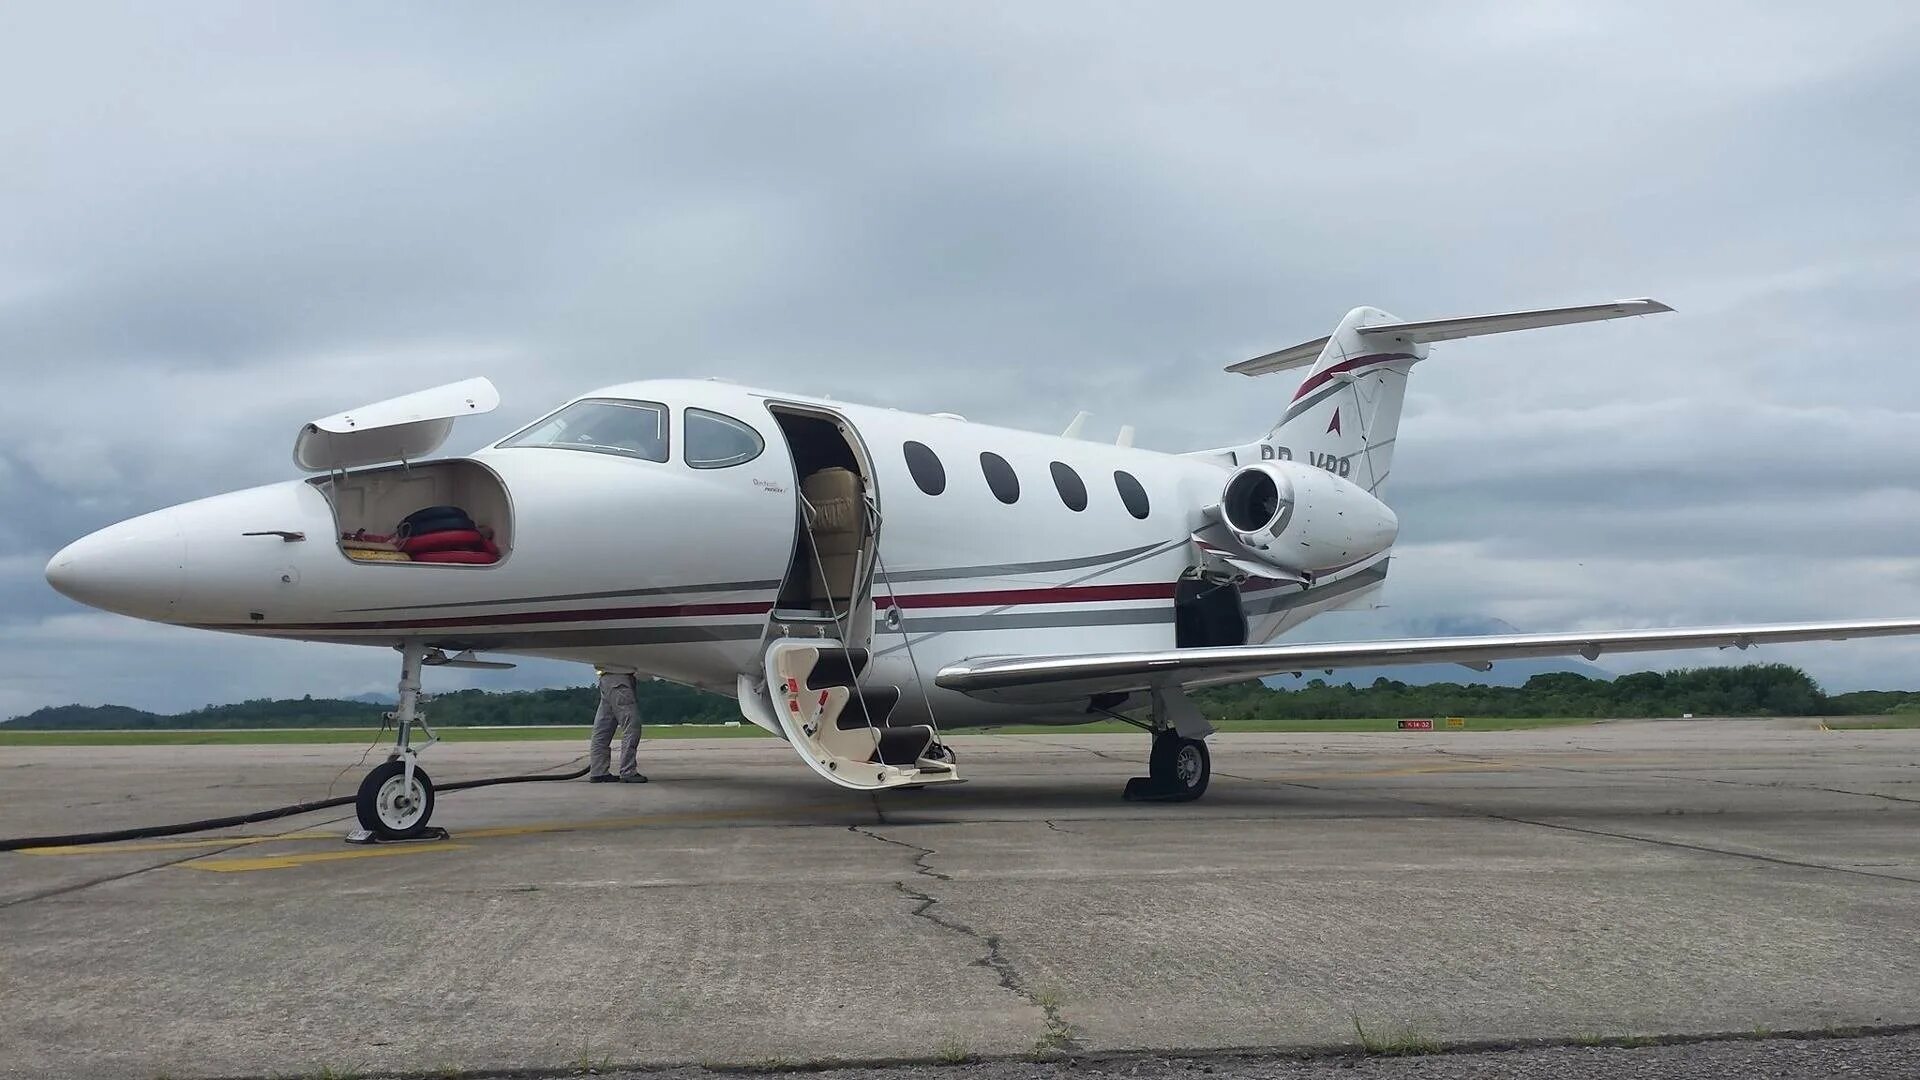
(282, 862)
(292, 859)
(172, 845)
(685, 817)
(505, 830)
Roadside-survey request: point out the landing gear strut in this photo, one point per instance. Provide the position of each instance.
(396, 799)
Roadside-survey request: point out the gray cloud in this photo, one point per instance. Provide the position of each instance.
(220, 220)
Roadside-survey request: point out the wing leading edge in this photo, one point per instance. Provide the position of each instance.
(1041, 679)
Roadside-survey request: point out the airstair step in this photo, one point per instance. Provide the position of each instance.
(837, 667)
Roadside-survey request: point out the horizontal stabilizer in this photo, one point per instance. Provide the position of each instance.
(1297, 356)
(1305, 353)
(1481, 325)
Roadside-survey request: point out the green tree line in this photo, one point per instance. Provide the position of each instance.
(1754, 690)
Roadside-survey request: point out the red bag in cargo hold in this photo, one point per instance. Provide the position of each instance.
(457, 557)
(444, 540)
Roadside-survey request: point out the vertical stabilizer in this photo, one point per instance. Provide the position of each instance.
(1344, 415)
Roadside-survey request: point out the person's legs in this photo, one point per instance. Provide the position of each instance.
(600, 746)
(628, 711)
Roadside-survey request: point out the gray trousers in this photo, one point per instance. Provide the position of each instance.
(617, 708)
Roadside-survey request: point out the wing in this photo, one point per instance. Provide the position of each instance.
(1040, 679)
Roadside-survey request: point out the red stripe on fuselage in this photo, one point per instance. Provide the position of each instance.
(1067, 594)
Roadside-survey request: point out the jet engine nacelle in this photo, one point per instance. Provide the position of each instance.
(1297, 517)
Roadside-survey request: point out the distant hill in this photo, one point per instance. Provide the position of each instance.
(660, 703)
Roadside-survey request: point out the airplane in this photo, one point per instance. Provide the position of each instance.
(861, 580)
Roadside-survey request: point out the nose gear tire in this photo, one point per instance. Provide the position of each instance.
(391, 808)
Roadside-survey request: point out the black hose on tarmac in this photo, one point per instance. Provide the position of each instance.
(151, 831)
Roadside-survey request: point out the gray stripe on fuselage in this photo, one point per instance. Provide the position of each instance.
(990, 570)
(1331, 590)
(663, 590)
(995, 569)
(1144, 553)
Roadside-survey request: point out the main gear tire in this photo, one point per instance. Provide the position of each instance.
(1179, 768)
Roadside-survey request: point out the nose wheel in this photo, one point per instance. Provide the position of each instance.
(396, 799)
(393, 805)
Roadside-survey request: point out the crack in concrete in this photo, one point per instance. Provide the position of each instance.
(1058, 1036)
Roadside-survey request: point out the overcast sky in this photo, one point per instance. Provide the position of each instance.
(218, 221)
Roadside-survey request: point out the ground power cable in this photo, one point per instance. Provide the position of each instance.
(149, 832)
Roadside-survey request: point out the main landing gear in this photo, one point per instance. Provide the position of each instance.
(1177, 771)
(396, 798)
(1179, 768)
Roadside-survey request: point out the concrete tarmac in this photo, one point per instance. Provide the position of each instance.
(1566, 884)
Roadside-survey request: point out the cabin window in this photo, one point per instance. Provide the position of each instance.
(636, 429)
(714, 441)
(1000, 477)
(1132, 494)
(924, 464)
(1073, 490)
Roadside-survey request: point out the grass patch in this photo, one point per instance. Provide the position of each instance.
(1393, 1044)
(1894, 722)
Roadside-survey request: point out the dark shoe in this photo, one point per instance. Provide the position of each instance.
(633, 778)
(603, 778)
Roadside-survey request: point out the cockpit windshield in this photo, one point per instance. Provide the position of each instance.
(629, 428)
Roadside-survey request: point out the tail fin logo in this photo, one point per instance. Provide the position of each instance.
(1333, 425)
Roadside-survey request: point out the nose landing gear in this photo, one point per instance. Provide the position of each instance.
(396, 798)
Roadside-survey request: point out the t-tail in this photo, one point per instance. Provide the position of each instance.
(1345, 415)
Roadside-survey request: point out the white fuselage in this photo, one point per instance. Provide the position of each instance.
(673, 571)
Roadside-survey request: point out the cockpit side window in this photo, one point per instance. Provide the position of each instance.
(636, 429)
(716, 441)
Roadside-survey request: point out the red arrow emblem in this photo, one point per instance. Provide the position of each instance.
(1333, 425)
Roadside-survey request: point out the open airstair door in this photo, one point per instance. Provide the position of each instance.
(815, 650)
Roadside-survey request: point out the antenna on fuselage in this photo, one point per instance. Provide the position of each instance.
(1126, 436)
(1074, 428)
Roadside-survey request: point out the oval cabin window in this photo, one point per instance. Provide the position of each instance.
(1000, 477)
(924, 465)
(714, 441)
(1073, 491)
(1132, 494)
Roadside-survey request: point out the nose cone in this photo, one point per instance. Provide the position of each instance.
(137, 567)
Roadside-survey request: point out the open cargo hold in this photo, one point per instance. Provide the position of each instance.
(440, 513)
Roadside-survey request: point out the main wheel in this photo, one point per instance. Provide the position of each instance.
(1180, 768)
(390, 807)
